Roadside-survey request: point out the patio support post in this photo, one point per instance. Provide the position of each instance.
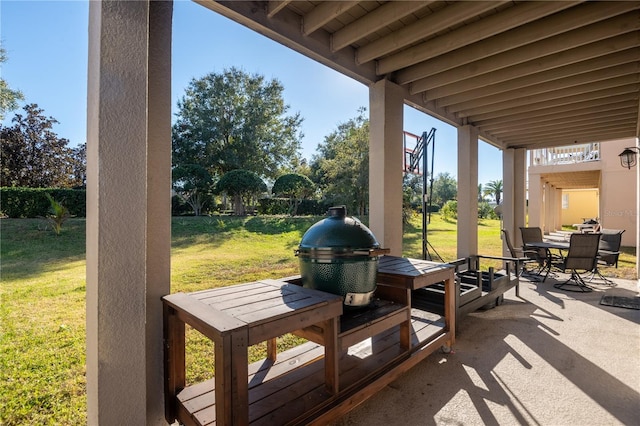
(467, 191)
(551, 206)
(128, 208)
(536, 201)
(386, 101)
(514, 169)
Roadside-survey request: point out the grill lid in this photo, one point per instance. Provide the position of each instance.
(339, 234)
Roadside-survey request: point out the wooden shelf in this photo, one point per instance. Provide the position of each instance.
(291, 390)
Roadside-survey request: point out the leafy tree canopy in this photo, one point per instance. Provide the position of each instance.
(234, 120)
(494, 189)
(445, 188)
(341, 169)
(294, 186)
(241, 185)
(34, 156)
(192, 183)
(8, 97)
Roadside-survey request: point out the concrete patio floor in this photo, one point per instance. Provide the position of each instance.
(549, 357)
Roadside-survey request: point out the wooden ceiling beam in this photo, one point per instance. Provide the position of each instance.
(323, 13)
(429, 25)
(381, 17)
(601, 128)
(592, 121)
(537, 71)
(560, 23)
(622, 95)
(575, 94)
(560, 118)
(580, 83)
(623, 24)
(576, 139)
(516, 16)
(273, 7)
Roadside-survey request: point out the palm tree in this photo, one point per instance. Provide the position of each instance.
(494, 189)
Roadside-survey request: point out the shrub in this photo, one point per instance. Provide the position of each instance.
(58, 214)
(273, 206)
(33, 202)
(485, 211)
(450, 210)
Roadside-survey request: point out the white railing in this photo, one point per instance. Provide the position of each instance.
(565, 154)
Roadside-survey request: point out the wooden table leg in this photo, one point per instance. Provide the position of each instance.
(231, 379)
(331, 354)
(174, 361)
(450, 308)
(272, 350)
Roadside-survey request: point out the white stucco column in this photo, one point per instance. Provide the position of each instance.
(514, 169)
(128, 208)
(467, 191)
(548, 207)
(557, 213)
(535, 201)
(386, 104)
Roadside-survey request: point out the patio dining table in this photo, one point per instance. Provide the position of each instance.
(556, 245)
(548, 246)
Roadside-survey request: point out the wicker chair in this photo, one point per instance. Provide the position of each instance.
(527, 257)
(583, 255)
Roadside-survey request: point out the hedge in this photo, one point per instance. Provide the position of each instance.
(32, 202)
(281, 206)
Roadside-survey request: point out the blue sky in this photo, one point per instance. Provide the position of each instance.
(46, 44)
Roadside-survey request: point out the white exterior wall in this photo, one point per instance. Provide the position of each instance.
(619, 192)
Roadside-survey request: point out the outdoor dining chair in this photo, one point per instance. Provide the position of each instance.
(582, 256)
(608, 252)
(534, 235)
(531, 257)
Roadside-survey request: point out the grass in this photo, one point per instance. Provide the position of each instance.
(42, 309)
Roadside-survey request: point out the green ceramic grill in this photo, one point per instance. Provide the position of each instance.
(339, 255)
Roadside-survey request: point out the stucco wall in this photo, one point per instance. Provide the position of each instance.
(579, 203)
(618, 192)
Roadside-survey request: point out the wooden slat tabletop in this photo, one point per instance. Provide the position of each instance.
(265, 300)
(408, 266)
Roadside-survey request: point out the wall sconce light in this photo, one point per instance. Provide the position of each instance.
(628, 157)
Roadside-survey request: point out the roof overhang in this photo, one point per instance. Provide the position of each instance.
(526, 74)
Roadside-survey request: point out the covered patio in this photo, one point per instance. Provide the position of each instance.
(547, 357)
(516, 75)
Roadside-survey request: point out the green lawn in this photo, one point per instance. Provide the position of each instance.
(42, 297)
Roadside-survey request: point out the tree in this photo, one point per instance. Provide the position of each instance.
(445, 188)
(294, 186)
(192, 183)
(341, 169)
(8, 97)
(494, 189)
(234, 120)
(242, 185)
(34, 156)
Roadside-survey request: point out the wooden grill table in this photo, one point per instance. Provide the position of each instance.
(401, 275)
(348, 357)
(234, 318)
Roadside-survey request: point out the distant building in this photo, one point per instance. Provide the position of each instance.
(570, 184)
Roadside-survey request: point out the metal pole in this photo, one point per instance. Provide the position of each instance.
(425, 179)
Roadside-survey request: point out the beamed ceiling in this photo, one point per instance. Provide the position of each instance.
(526, 74)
